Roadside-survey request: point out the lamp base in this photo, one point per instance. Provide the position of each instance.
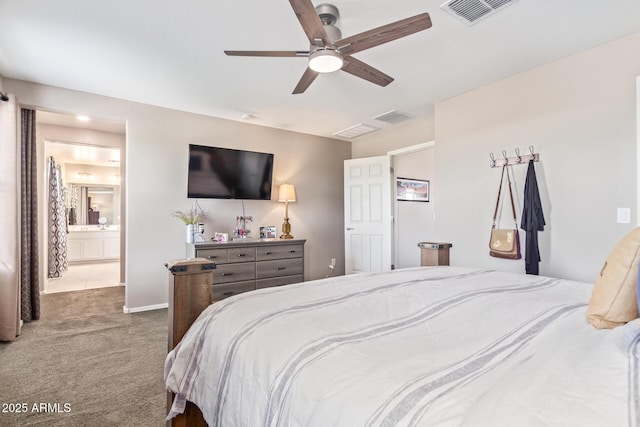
(286, 230)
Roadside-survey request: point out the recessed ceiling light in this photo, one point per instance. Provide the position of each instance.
(82, 118)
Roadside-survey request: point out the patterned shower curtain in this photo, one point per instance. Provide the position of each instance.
(57, 222)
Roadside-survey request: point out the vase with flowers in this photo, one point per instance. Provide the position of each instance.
(191, 218)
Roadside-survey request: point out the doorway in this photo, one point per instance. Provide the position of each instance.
(89, 158)
(381, 231)
(415, 220)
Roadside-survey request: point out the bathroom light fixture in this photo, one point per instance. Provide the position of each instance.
(286, 194)
(82, 118)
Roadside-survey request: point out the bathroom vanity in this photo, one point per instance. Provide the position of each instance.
(93, 243)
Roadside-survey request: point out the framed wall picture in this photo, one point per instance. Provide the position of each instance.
(412, 190)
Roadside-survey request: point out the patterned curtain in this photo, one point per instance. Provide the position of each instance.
(29, 260)
(57, 222)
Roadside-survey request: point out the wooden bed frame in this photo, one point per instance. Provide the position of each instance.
(190, 283)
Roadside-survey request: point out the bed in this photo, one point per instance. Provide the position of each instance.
(427, 346)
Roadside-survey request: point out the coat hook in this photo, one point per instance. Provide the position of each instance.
(493, 160)
(518, 158)
(531, 150)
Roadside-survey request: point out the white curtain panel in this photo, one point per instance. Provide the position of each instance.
(9, 224)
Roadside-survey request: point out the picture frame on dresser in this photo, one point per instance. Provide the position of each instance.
(268, 232)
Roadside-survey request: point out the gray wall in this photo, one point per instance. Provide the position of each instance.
(580, 114)
(156, 173)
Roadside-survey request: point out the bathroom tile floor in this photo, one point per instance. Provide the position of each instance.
(86, 276)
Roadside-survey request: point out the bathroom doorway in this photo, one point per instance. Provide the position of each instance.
(89, 160)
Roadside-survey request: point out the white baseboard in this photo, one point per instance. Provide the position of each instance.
(128, 310)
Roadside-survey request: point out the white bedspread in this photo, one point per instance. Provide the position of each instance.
(440, 346)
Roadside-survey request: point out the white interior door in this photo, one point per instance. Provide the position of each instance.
(367, 214)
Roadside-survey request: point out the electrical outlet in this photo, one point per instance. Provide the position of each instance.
(333, 263)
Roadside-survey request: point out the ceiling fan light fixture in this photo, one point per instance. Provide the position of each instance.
(325, 60)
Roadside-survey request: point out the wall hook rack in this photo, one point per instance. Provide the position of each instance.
(518, 159)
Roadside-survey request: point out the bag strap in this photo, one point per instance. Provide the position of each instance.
(495, 212)
(513, 206)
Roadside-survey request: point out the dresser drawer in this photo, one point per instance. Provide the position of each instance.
(225, 291)
(279, 252)
(226, 273)
(280, 267)
(242, 254)
(279, 281)
(219, 256)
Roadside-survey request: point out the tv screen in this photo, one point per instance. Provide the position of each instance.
(224, 173)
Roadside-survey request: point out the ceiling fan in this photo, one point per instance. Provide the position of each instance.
(329, 52)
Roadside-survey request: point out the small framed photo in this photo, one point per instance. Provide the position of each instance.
(412, 190)
(221, 237)
(268, 232)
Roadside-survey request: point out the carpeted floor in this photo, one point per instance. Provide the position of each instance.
(85, 363)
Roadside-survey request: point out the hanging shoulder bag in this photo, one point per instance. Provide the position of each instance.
(505, 242)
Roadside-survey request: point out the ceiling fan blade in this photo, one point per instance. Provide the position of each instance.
(271, 53)
(365, 71)
(310, 21)
(307, 78)
(384, 34)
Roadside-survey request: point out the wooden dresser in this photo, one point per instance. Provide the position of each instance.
(243, 266)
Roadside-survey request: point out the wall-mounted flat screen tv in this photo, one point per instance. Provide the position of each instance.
(224, 173)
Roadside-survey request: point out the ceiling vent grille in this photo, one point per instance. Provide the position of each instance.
(394, 117)
(471, 11)
(356, 131)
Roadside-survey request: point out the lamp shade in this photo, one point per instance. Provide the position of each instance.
(287, 193)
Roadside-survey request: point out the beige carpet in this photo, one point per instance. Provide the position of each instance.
(85, 363)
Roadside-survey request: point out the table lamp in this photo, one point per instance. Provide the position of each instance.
(286, 194)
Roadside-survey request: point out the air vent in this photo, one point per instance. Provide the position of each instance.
(394, 117)
(356, 131)
(471, 11)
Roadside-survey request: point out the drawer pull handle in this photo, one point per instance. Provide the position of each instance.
(268, 253)
(213, 256)
(226, 294)
(280, 268)
(242, 254)
(226, 274)
(292, 251)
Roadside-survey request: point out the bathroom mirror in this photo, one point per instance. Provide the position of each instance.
(88, 203)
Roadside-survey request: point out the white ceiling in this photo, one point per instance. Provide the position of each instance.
(170, 53)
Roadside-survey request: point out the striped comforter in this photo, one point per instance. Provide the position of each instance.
(440, 346)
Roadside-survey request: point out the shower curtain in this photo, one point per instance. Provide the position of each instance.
(57, 222)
